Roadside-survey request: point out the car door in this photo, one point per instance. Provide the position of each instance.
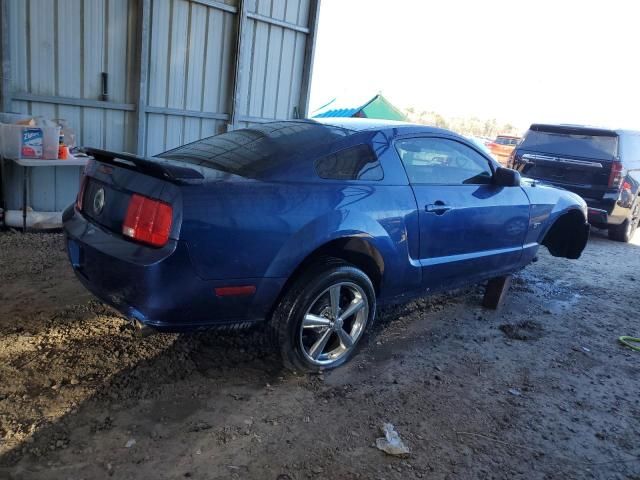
(469, 227)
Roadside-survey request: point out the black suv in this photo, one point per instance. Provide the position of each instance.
(602, 166)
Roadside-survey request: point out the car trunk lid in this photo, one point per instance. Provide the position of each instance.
(113, 182)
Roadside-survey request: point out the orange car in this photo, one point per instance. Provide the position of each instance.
(503, 146)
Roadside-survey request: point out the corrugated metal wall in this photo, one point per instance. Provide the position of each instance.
(60, 49)
(272, 84)
(177, 71)
(192, 79)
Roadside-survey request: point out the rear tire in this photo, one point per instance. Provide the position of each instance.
(624, 232)
(620, 233)
(322, 318)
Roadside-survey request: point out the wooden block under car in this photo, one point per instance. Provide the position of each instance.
(496, 292)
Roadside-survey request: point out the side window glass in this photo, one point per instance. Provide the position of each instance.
(355, 163)
(442, 161)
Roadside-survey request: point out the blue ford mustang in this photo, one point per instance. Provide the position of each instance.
(307, 226)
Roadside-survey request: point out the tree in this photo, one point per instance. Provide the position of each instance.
(468, 126)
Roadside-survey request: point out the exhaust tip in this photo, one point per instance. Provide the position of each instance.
(142, 330)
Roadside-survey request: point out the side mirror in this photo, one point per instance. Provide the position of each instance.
(505, 177)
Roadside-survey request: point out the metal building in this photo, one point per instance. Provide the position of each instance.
(146, 75)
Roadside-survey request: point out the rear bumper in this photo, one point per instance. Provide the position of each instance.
(158, 287)
(609, 210)
(597, 216)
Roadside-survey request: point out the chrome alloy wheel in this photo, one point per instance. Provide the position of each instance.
(334, 323)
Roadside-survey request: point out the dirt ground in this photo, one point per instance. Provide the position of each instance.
(539, 389)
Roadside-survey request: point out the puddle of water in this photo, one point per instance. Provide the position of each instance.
(564, 302)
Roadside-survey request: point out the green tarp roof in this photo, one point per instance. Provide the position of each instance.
(376, 107)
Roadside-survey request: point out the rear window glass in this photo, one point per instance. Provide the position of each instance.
(253, 151)
(355, 163)
(565, 143)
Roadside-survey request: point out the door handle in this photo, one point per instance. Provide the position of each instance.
(439, 208)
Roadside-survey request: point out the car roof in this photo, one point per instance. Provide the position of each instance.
(269, 150)
(365, 124)
(360, 124)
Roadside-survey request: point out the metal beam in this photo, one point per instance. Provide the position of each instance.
(248, 119)
(76, 102)
(144, 32)
(217, 5)
(187, 113)
(239, 68)
(279, 23)
(5, 86)
(178, 112)
(309, 53)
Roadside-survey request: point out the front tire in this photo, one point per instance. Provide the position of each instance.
(322, 318)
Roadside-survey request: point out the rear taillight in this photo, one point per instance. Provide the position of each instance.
(615, 177)
(148, 220)
(511, 163)
(80, 197)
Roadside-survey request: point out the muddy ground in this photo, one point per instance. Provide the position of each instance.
(539, 389)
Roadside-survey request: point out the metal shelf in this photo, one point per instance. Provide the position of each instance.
(30, 162)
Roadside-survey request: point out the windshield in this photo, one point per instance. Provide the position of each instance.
(252, 151)
(564, 143)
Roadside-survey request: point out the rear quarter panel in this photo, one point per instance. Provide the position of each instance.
(266, 229)
(258, 229)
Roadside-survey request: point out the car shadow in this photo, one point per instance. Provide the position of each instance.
(156, 370)
(163, 378)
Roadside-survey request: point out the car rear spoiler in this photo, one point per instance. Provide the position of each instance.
(154, 167)
(573, 130)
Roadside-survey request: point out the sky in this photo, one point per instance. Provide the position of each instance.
(559, 61)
